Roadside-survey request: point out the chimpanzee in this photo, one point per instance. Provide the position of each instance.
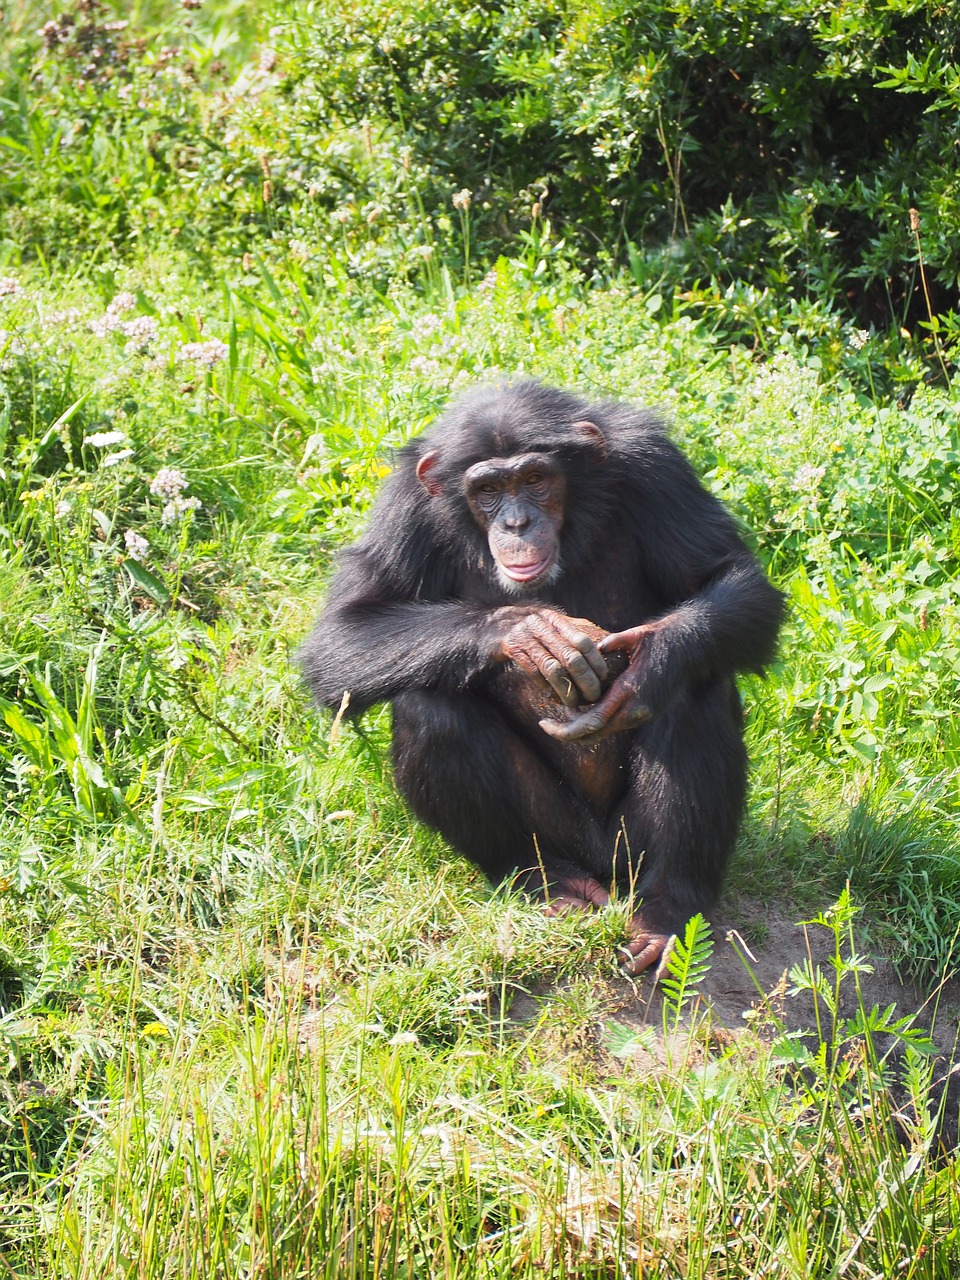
(556, 607)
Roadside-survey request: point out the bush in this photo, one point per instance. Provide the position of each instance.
(783, 142)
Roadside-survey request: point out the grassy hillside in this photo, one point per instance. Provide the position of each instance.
(253, 1020)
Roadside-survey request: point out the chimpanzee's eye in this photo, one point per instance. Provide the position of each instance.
(488, 488)
(534, 478)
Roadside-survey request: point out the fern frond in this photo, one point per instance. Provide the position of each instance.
(686, 965)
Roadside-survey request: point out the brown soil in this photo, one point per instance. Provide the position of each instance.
(755, 947)
(745, 997)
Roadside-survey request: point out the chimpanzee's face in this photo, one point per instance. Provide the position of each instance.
(517, 499)
(518, 503)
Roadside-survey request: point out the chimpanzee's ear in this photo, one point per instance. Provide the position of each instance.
(593, 436)
(424, 467)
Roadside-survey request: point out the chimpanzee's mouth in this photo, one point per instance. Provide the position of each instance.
(526, 573)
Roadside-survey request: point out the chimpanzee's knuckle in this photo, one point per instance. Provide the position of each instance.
(576, 663)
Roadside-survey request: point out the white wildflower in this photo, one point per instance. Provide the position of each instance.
(426, 326)
(137, 546)
(859, 339)
(103, 439)
(141, 332)
(144, 327)
(177, 508)
(62, 319)
(9, 287)
(112, 459)
(404, 1037)
(108, 323)
(426, 367)
(208, 353)
(122, 301)
(169, 482)
(462, 199)
(808, 477)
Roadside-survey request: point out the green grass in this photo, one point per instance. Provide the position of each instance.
(254, 1021)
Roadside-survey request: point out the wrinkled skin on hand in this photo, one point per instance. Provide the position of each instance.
(577, 893)
(644, 947)
(559, 653)
(622, 707)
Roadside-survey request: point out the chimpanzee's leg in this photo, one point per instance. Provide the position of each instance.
(467, 772)
(681, 817)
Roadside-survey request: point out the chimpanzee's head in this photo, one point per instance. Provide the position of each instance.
(510, 453)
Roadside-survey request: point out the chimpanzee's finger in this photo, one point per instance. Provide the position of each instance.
(594, 892)
(591, 653)
(644, 950)
(632, 965)
(528, 665)
(560, 645)
(583, 675)
(582, 726)
(623, 640)
(559, 681)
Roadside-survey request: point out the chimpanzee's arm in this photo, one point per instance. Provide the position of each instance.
(721, 616)
(373, 645)
(728, 627)
(720, 613)
(374, 650)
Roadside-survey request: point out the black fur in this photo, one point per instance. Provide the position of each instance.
(412, 618)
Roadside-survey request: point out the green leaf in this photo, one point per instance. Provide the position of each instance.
(686, 964)
(621, 1041)
(33, 742)
(147, 582)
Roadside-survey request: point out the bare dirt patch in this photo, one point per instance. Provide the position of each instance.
(756, 946)
(747, 995)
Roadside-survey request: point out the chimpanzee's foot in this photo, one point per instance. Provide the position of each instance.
(643, 948)
(575, 893)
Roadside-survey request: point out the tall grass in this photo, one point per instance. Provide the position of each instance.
(281, 1138)
(254, 1022)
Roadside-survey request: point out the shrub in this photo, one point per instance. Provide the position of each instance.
(780, 142)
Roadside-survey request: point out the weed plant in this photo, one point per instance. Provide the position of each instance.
(254, 1022)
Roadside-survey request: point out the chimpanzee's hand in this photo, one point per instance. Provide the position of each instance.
(623, 707)
(560, 653)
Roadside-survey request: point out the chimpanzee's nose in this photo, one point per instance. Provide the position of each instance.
(516, 520)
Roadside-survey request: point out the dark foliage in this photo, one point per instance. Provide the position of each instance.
(782, 143)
